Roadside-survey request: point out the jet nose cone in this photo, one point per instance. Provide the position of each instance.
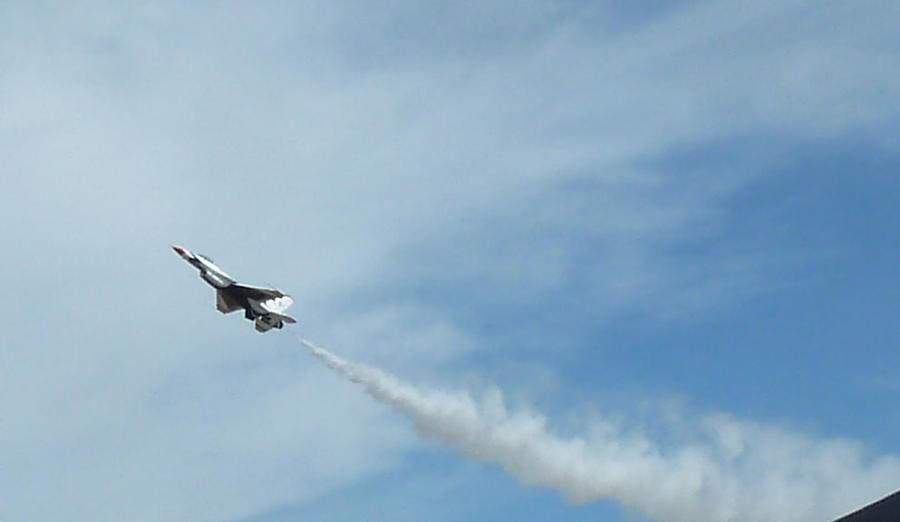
(178, 250)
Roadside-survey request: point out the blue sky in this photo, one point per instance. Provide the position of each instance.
(658, 215)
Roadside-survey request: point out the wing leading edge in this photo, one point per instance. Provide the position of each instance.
(257, 293)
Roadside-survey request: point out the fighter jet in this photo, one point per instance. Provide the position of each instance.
(264, 306)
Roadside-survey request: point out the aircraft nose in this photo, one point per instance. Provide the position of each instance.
(178, 250)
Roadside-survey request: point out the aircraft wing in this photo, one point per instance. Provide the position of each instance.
(271, 300)
(256, 293)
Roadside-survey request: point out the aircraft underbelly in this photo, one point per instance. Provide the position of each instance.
(266, 322)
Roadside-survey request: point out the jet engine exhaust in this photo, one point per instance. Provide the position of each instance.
(728, 470)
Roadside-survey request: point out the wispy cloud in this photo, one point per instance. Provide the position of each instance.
(370, 162)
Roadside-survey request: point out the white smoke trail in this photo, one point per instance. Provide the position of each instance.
(735, 471)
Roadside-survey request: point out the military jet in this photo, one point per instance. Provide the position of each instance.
(264, 306)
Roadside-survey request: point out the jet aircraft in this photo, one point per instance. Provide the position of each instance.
(264, 306)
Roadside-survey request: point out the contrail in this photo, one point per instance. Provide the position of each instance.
(731, 471)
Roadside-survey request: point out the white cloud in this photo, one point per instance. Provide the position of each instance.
(207, 443)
